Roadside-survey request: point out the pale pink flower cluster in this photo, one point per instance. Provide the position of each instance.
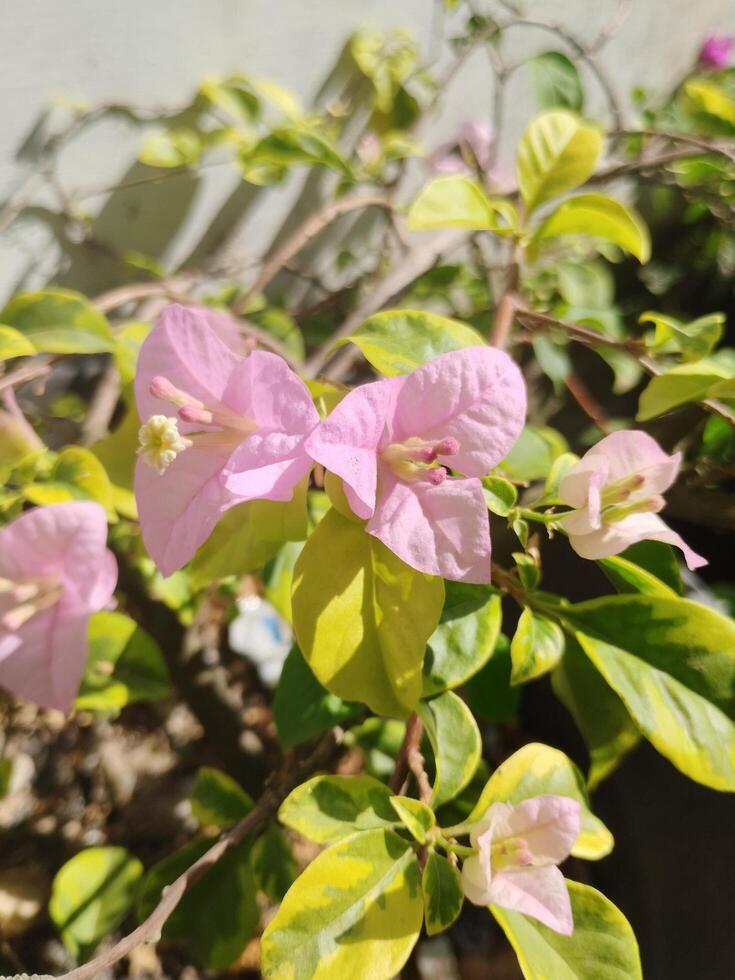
(518, 847)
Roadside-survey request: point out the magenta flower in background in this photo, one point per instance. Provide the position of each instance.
(518, 850)
(716, 51)
(55, 571)
(218, 429)
(616, 489)
(392, 441)
(472, 150)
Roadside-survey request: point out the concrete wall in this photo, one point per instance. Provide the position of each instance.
(154, 52)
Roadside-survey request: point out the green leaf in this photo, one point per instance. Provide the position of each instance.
(455, 740)
(672, 662)
(273, 864)
(534, 453)
(441, 884)
(328, 808)
(77, 474)
(553, 360)
(124, 664)
(607, 728)
(464, 639)
(658, 559)
(302, 708)
(6, 772)
(379, 741)
(248, 536)
(234, 95)
(171, 148)
(415, 816)
(217, 800)
(227, 893)
(682, 384)
(489, 692)
(128, 341)
(500, 495)
(600, 217)
(116, 452)
(288, 147)
(557, 153)
(460, 202)
(536, 770)
(91, 894)
(347, 584)
(556, 81)
(693, 340)
(712, 99)
(626, 576)
(602, 944)
(536, 648)
(356, 911)
(14, 344)
(58, 321)
(399, 341)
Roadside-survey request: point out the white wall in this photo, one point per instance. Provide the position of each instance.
(154, 52)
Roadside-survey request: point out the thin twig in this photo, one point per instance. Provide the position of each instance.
(410, 744)
(586, 401)
(313, 225)
(102, 406)
(149, 931)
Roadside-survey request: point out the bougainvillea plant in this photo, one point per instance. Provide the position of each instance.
(365, 490)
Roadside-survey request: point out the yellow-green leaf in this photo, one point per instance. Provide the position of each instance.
(58, 321)
(557, 153)
(711, 98)
(672, 662)
(327, 808)
(77, 474)
(415, 816)
(362, 617)
(441, 883)
(217, 800)
(602, 945)
(455, 739)
(14, 344)
(356, 911)
(536, 647)
(465, 637)
(600, 217)
(536, 770)
(681, 385)
(460, 202)
(399, 341)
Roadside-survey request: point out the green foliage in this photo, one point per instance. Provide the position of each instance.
(171, 148)
(248, 536)
(415, 816)
(489, 692)
(455, 741)
(534, 453)
(536, 647)
(600, 217)
(14, 344)
(356, 911)
(672, 662)
(464, 639)
(500, 495)
(327, 808)
(557, 153)
(58, 321)
(538, 769)
(91, 894)
(124, 664)
(348, 584)
(227, 892)
(602, 718)
(302, 708)
(602, 944)
(76, 474)
(273, 864)
(399, 341)
(556, 81)
(217, 800)
(441, 884)
(460, 202)
(693, 340)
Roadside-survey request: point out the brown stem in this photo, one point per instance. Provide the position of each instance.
(410, 745)
(149, 931)
(303, 235)
(508, 304)
(586, 401)
(102, 406)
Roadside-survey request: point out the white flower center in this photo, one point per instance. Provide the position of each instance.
(21, 599)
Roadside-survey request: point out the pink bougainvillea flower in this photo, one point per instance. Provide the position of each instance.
(518, 850)
(616, 489)
(392, 441)
(55, 571)
(716, 51)
(473, 150)
(218, 429)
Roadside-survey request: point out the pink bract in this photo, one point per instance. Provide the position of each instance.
(463, 410)
(616, 489)
(55, 571)
(716, 51)
(518, 849)
(219, 429)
